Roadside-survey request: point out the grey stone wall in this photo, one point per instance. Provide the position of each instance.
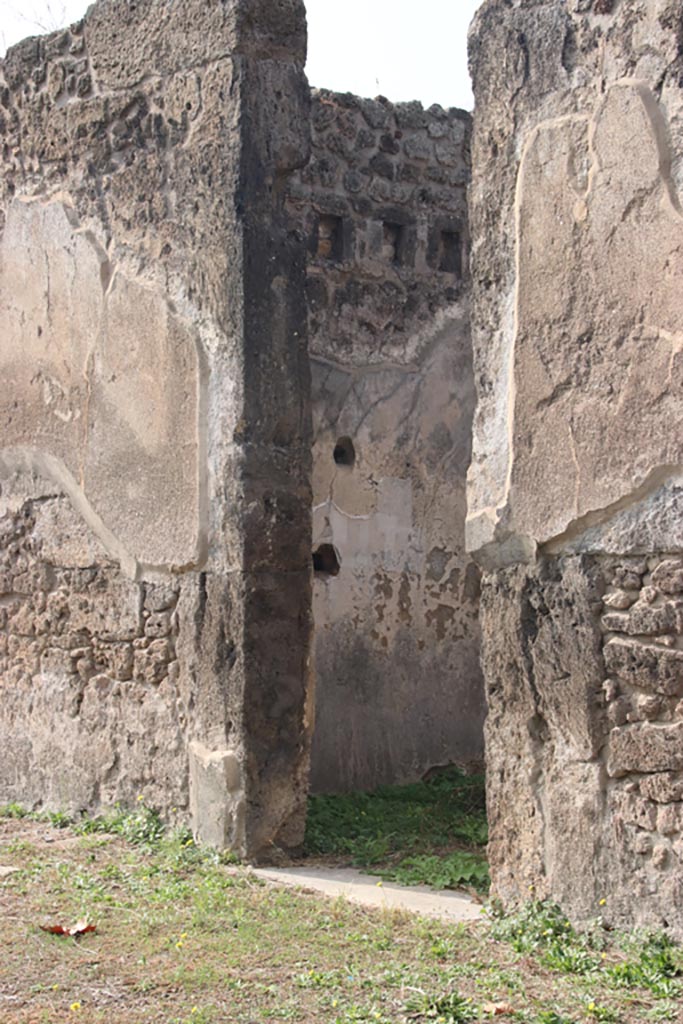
(575, 485)
(383, 205)
(155, 420)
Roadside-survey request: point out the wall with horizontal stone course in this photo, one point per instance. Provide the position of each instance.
(155, 425)
(574, 502)
(383, 206)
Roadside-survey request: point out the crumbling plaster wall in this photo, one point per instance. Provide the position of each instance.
(576, 484)
(155, 417)
(383, 205)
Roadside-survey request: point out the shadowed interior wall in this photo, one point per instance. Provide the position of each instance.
(383, 204)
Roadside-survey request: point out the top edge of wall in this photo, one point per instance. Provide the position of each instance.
(128, 40)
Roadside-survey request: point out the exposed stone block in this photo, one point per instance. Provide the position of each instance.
(670, 819)
(645, 748)
(665, 787)
(649, 621)
(642, 844)
(668, 576)
(646, 666)
(416, 147)
(217, 800)
(620, 600)
(660, 856)
(644, 620)
(376, 114)
(626, 577)
(634, 810)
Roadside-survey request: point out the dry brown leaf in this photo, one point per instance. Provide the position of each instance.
(80, 928)
(497, 1009)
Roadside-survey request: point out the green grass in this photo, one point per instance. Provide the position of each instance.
(141, 827)
(448, 1008)
(183, 938)
(644, 961)
(431, 833)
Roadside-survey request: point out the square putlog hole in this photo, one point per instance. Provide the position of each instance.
(450, 253)
(330, 244)
(392, 243)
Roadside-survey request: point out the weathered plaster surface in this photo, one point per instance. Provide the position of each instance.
(574, 489)
(103, 388)
(597, 214)
(155, 434)
(396, 639)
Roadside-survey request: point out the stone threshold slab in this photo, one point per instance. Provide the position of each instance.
(369, 891)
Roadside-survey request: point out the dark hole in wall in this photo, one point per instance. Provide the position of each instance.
(330, 244)
(450, 252)
(344, 452)
(326, 560)
(392, 243)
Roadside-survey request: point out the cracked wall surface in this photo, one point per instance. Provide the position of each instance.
(155, 423)
(104, 387)
(382, 200)
(574, 495)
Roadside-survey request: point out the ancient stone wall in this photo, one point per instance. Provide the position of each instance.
(154, 419)
(576, 481)
(383, 205)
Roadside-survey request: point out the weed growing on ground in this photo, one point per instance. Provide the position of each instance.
(141, 827)
(649, 961)
(449, 1008)
(13, 812)
(657, 966)
(535, 926)
(448, 871)
(431, 833)
(183, 938)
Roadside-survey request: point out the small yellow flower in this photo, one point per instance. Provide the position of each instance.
(591, 1007)
(335, 1002)
(183, 935)
(140, 798)
(195, 1009)
(379, 885)
(179, 945)
(603, 902)
(55, 988)
(75, 1007)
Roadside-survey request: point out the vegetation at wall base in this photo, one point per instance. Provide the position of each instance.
(431, 833)
(184, 938)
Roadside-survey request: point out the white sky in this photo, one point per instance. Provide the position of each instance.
(404, 49)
